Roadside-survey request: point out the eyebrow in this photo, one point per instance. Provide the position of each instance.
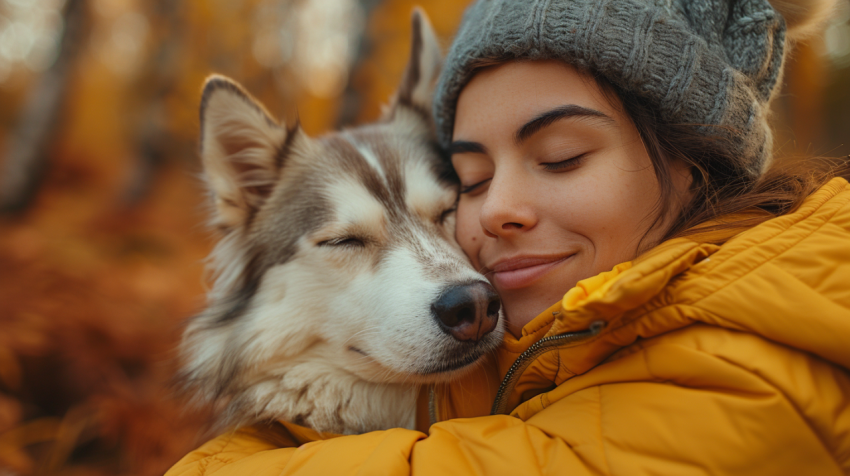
(562, 112)
(463, 146)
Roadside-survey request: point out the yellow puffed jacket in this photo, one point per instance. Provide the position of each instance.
(695, 359)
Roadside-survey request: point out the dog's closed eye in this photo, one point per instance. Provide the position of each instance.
(345, 241)
(446, 214)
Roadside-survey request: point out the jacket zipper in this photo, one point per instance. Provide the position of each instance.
(432, 405)
(520, 364)
(500, 404)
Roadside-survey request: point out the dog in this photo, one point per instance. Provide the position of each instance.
(338, 287)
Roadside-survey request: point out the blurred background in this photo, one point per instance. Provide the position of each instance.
(102, 231)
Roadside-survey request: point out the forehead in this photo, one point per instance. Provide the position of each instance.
(400, 172)
(500, 99)
(368, 176)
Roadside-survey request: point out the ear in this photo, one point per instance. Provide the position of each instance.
(417, 85)
(242, 150)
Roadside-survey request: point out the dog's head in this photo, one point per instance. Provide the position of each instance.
(337, 252)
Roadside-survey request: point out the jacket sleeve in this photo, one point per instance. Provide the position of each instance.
(571, 437)
(648, 413)
(476, 446)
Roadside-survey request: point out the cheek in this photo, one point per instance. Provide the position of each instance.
(468, 233)
(609, 207)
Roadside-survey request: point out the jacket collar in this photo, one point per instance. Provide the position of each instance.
(626, 300)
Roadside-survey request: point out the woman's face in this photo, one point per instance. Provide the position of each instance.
(556, 184)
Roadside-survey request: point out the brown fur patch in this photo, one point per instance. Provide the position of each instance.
(283, 151)
(293, 213)
(413, 73)
(390, 163)
(354, 163)
(301, 418)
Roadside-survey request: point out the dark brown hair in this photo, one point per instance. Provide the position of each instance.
(723, 196)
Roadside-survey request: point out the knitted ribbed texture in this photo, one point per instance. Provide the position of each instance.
(705, 62)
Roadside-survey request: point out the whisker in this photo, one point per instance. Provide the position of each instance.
(361, 332)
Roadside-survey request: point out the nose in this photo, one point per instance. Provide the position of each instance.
(506, 209)
(469, 311)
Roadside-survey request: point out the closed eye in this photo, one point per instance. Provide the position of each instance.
(344, 241)
(565, 165)
(473, 187)
(446, 214)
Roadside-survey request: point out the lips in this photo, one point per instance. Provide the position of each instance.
(521, 271)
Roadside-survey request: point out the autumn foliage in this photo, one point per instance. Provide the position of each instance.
(99, 271)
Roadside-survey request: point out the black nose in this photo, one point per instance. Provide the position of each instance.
(468, 311)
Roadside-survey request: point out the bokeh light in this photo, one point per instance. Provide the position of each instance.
(29, 34)
(120, 37)
(837, 36)
(316, 39)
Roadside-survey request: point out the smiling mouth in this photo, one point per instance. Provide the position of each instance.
(521, 272)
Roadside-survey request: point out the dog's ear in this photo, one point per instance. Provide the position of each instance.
(242, 150)
(417, 85)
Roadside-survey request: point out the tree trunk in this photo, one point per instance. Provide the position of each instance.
(26, 155)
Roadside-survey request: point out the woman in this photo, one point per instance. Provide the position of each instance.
(619, 152)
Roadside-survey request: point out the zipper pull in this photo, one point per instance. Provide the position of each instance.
(546, 344)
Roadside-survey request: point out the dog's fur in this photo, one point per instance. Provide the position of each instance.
(333, 252)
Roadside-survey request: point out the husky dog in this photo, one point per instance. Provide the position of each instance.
(338, 287)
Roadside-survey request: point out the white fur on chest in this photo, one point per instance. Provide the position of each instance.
(328, 399)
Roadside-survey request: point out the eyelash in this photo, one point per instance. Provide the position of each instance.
(345, 242)
(564, 164)
(570, 163)
(472, 187)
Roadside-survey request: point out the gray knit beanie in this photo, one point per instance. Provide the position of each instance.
(703, 62)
